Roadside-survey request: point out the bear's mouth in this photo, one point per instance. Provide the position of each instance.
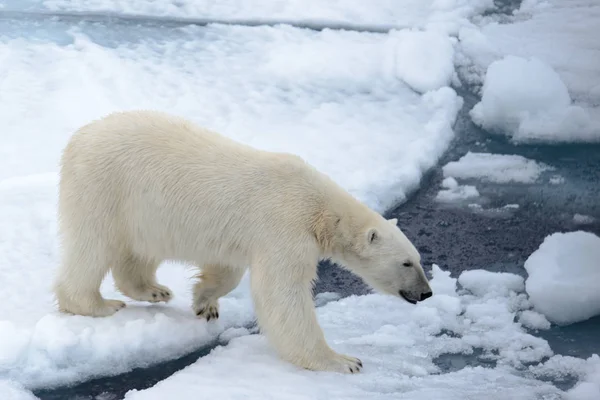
(405, 297)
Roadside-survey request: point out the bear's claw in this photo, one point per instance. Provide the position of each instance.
(108, 308)
(344, 364)
(151, 293)
(210, 311)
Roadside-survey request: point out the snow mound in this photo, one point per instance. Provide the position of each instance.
(424, 60)
(498, 168)
(453, 191)
(526, 99)
(564, 273)
(398, 343)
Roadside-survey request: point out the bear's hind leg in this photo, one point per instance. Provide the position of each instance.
(214, 281)
(285, 312)
(77, 287)
(136, 278)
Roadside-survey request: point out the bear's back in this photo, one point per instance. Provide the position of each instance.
(160, 174)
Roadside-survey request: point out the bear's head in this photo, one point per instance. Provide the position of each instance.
(378, 251)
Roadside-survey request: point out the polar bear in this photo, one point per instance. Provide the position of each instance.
(141, 187)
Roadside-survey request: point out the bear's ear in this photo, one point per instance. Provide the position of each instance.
(393, 221)
(372, 235)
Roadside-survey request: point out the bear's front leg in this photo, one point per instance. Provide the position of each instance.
(281, 290)
(214, 281)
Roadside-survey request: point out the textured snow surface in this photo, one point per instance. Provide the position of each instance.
(564, 273)
(397, 342)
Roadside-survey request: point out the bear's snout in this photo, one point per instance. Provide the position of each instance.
(413, 298)
(425, 296)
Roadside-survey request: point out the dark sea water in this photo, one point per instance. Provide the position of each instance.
(455, 237)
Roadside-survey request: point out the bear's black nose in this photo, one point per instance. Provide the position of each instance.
(426, 295)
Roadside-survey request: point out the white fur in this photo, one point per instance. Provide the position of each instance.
(141, 187)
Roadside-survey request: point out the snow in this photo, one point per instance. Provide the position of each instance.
(497, 168)
(526, 99)
(325, 297)
(482, 282)
(572, 52)
(563, 277)
(447, 15)
(561, 368)
(11, 390)
(321, 95)
(534, 320)
(40, 347)
(327, 96)
(453, 191)
(398, 344)
(587, 388)
(431, 56)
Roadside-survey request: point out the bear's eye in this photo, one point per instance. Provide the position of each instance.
(372, 236)
(407, 264)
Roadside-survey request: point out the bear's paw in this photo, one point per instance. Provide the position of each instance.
(340, 363)
(152, 293)
(208, 310)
